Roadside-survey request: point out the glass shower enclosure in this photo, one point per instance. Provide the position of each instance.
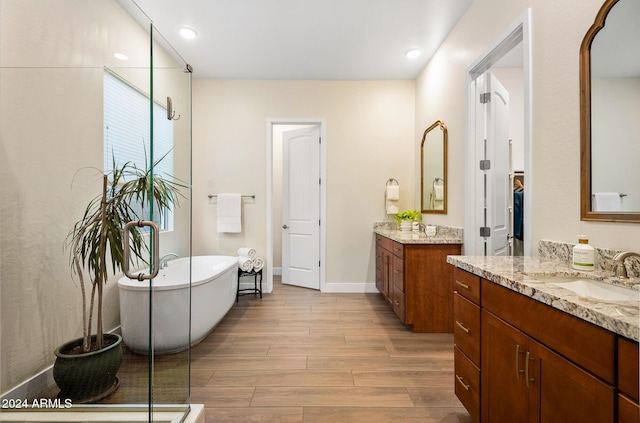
(87, 86)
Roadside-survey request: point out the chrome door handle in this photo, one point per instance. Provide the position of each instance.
(155, 256)
(285, 227)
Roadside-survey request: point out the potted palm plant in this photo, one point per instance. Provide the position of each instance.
(85, 369)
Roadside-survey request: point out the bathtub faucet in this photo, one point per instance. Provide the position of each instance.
(164, 259)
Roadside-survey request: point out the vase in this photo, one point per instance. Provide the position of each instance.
(88, 377)
(406, 225)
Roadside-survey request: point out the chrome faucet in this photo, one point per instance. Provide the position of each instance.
(619, 258)
(164, 259)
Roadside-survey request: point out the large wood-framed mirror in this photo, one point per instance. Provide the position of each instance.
(433, 169)
(610, 115)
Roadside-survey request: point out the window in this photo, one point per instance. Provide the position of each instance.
(127, 135)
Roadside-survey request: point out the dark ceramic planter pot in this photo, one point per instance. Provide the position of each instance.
(88, 377)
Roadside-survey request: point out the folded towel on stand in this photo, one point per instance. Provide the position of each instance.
(245, 264)
(229, 213)
(393, 192)
(247, 252)
(258, 263)
(606, 201)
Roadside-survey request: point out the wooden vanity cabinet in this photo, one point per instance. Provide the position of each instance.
(536, 363)
(415, 280)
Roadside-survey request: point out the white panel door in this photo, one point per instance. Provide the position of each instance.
(301, 207)
(499, 188)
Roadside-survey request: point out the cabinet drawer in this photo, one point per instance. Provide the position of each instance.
(628, 372)
(398, 249)
(467, 285)
(384, 242)
(467, 384)
(466, 327)
(628, 410)
(399, 304)
(397, 273)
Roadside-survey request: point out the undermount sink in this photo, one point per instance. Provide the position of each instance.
(592, 288)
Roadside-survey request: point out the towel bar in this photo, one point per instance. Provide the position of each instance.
(621, 195)
(243, 196)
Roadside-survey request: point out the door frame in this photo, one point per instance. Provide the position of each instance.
(321, 122)
(519, 31)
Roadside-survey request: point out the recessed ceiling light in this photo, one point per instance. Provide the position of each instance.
(121, 56)
(188, 33)
(412, 53)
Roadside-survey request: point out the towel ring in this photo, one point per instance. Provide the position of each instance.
(392, 181)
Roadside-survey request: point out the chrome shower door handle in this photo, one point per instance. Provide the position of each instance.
(155, 255)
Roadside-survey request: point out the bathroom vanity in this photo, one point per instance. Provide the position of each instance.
(528, 348)
(414, 278)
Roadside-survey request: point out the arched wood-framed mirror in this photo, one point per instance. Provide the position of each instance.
(609, 105)
(433, 169)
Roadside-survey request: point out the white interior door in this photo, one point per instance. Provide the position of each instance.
(301, 207)
(498, 185)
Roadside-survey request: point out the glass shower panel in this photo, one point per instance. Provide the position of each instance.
(171, 290)
(55, 134)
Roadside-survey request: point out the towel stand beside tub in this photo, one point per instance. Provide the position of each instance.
(257, 286)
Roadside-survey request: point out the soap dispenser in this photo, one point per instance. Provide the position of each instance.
(583, 254)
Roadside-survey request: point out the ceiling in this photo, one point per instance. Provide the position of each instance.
(304, 39)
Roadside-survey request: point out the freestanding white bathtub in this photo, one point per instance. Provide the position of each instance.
(214, 282)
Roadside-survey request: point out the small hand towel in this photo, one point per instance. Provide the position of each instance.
(258, 263)
(245, 264)
(393, 192)
(438, 191)
(606, 201)
(229, 213)
(392, 207)
(247, 252)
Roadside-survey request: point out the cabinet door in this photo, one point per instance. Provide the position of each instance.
(568, 393)
(397, 272)
(505, 396)
(383, 270)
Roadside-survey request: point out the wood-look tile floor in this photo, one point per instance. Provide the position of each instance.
(301, 356)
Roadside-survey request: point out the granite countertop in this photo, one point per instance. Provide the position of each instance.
(519, 274)
(442, 236)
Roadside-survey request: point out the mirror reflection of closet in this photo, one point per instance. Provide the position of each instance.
(433, 169)
(609, 110)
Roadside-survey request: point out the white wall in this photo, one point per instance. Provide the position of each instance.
(557, 31)
(370, 130)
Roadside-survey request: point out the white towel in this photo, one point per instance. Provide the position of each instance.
(393, 192)
(606, 201)
(247, 252)
(229, 213)
(392, 207)
(245, 264)
(258, 263)
(438, 191)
